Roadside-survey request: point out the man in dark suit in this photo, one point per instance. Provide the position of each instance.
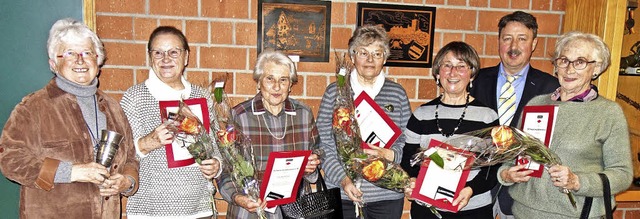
(517, 40)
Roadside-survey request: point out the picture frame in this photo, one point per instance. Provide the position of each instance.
(301, 28)
(410, 29)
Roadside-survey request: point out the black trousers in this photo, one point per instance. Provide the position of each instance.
(391, 209)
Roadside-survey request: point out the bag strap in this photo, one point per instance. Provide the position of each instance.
(305, 186)
(606, 190)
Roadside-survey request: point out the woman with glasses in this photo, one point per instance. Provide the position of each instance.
(179, 192)
(369, 50)
(453, 113)
(590, 137)
(49, 142)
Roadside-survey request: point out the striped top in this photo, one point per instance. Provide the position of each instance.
(422, 127)
(392, 94)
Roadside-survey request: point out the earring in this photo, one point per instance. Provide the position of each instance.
(437, 81)
(470, 84)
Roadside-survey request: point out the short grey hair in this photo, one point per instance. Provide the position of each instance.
(274, 57)
(601, 51)
(69, 27)
(368, 35)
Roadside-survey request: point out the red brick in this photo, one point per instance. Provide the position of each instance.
(625, 205)
(314, 104)
(457, 2)
(352, 11)
(427, 89)
(548, 23)
(143, 27)
(488, 20)
(174, 8)
(409, 71)
(318, 66)
(221, 57)
(125, 53)
(253, 56)
(543, 5)
(447, 38)
(112, 27)
(540, 47)
(632, 214)
(543, 65)
(200, 78)
(244, 84)
(340, 37)
(228, 87)
(141, 75)
(550, 47)
(193, 57)
(112, 79)
(437, 41)
(491, 45)
(254, 9)
(520, 4)
(172, 22)
(499, 4)
(434, 2)
(225, 9)
(298, 88)
(409, 86)
(456, 19)
(478, 3)
(197, 31)
(489, 62)
(316, 85)
(414, 105)
(246, 34)
(476, 41)
(337, 13)
(558, 5)
(221, 33)
(413, 1)
(119, 6)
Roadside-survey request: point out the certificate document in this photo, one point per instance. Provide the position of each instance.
(177, 153)
(539, 122)
(282, 177)
(376, 127)
(440, 186)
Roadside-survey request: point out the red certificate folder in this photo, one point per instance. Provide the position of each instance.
(282, 176)
(538, 121)
(439, 187)
(376, 127)
(177, 155)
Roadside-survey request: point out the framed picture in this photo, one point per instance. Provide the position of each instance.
(410, 29)
(297, 27)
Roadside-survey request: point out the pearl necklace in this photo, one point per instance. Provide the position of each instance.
(464, 111)
(268, 129)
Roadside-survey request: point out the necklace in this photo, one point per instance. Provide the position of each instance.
(464, 111)
(94, 138)
(268, 129)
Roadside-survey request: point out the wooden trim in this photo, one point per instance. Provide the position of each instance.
(89, 13)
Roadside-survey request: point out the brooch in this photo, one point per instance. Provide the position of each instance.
(388, 107)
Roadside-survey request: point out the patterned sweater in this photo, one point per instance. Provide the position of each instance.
(391, 94)
(164, 193)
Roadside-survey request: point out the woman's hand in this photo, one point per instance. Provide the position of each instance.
(563, 177)
(516, 174)
(156, 139)
(463, 197)
(387, 154)
(312, 163)
(351, 191)
(209, 168)
(246, 203)
(89, 172)
(409, 189)
(115, 185)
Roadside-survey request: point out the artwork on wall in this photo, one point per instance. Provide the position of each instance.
(410, 29)
(295, 27)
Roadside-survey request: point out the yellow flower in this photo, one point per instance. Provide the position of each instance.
(502, 137)
(373, 171)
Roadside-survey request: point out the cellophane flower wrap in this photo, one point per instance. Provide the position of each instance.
(235, 148)
(356, 163)
(499, 144)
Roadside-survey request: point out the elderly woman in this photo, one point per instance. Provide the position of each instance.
(590, 137)
(273, 122)
(453, 113)
(369, 49)
(181, 192)
(49, 143)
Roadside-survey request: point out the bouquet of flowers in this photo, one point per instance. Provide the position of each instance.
(235, 148)
(496, 145)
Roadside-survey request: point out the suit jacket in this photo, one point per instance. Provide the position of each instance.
(537, 83)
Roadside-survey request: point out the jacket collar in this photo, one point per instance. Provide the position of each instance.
(257, 106)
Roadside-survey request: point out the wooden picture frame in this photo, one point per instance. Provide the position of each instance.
(410, 29)
(301, 28)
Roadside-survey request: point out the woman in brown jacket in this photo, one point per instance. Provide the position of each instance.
(49, 142)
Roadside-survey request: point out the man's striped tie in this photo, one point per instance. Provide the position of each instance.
(507, 102)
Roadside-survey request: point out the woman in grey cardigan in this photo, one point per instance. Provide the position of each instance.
(590, 137)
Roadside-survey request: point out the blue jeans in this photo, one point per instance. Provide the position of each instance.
(390, 209)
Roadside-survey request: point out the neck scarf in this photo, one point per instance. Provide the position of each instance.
(162, 91)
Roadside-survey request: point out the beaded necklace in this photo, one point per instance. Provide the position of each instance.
(464, 111)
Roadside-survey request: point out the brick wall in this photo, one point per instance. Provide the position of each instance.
(222, 36)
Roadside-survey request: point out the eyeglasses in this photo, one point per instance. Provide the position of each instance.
(364, 54)
(578, 64)
(271, 80)
(72, 55)
(173, 53)
(459, 68)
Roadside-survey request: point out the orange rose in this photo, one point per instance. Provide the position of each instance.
(374, 171)
(226, 137)
(502, 137)
(341, 117)
(189, 125)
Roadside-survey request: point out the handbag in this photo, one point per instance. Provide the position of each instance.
(606, 196)
(322, 204)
